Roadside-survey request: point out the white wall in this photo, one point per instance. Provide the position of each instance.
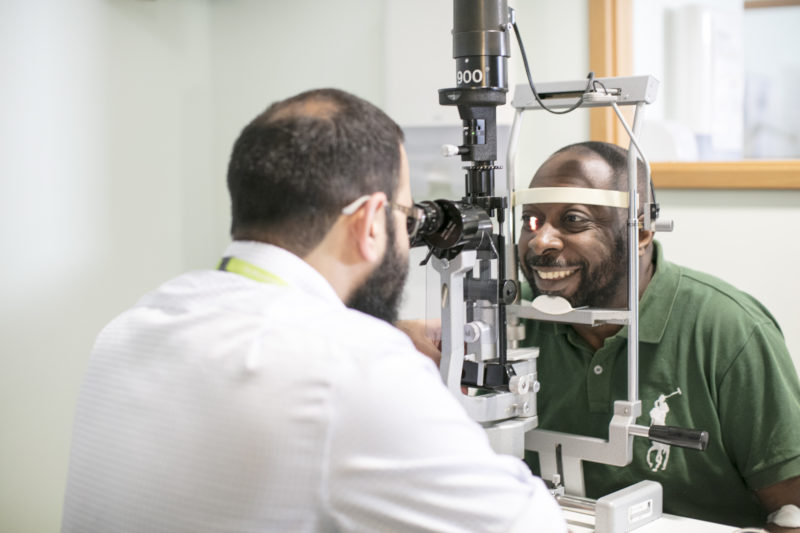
(105, 127)
(263, 51)
(745, 238)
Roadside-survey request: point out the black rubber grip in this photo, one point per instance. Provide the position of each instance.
(685, 438)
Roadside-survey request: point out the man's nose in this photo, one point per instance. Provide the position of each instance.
(546, 239)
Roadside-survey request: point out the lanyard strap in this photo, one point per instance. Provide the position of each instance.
(249, 270)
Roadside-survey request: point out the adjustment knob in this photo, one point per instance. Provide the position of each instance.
(450, 150)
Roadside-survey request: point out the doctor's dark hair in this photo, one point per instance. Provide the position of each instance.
(295, 166)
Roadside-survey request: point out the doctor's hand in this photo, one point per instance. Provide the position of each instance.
(426, 336)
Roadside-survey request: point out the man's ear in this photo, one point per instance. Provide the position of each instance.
(645, 237)
(369, 228)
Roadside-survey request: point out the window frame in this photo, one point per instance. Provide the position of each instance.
(610, 54)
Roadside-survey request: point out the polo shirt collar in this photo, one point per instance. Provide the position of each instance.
(658, 300)
(285, 265)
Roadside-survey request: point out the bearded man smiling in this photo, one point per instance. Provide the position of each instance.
(711, 357)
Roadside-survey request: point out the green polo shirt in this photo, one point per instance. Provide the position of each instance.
(711, 357)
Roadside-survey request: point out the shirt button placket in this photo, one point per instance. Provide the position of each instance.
(598, 383)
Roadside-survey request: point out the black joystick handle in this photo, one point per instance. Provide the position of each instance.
(685, 438)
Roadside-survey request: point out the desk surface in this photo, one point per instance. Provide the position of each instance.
(582, 523)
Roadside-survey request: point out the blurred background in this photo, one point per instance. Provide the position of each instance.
(116, 122)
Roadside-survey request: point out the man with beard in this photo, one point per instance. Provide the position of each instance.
(250, 398)
(710, 356)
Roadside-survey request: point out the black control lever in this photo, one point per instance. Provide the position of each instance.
(695, 439)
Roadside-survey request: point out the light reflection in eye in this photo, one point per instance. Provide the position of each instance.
(533, 223)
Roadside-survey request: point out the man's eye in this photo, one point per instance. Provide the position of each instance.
(574, 219)
(530, 223)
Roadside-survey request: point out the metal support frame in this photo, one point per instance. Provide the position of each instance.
(618, 449)
(510, 417)
(505, 415)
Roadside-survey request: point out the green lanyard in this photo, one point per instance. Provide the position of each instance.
(249, 270)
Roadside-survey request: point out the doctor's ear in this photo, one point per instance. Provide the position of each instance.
(369, 227)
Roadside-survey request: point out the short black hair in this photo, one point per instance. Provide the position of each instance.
(617, 159)
(297, 164)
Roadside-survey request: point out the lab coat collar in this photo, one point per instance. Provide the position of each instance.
(286, 265)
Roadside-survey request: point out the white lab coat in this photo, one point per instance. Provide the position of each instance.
(219, 403)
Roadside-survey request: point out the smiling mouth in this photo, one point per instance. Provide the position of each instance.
(555, 274)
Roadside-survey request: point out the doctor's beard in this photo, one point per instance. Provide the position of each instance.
(380, 293)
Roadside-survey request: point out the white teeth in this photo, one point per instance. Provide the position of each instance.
(561, 274)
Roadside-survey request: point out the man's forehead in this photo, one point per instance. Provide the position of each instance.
(576, 168)
(573, 177)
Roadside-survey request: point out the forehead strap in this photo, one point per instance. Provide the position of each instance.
(570, 195)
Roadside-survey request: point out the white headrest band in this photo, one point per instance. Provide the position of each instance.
(571, 195)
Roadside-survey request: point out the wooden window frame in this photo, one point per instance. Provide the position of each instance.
(758, 4)
(610, 46)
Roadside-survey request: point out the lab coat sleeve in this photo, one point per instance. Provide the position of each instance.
(404, 456)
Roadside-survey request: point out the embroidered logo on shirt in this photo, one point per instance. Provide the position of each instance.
(658, 454)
